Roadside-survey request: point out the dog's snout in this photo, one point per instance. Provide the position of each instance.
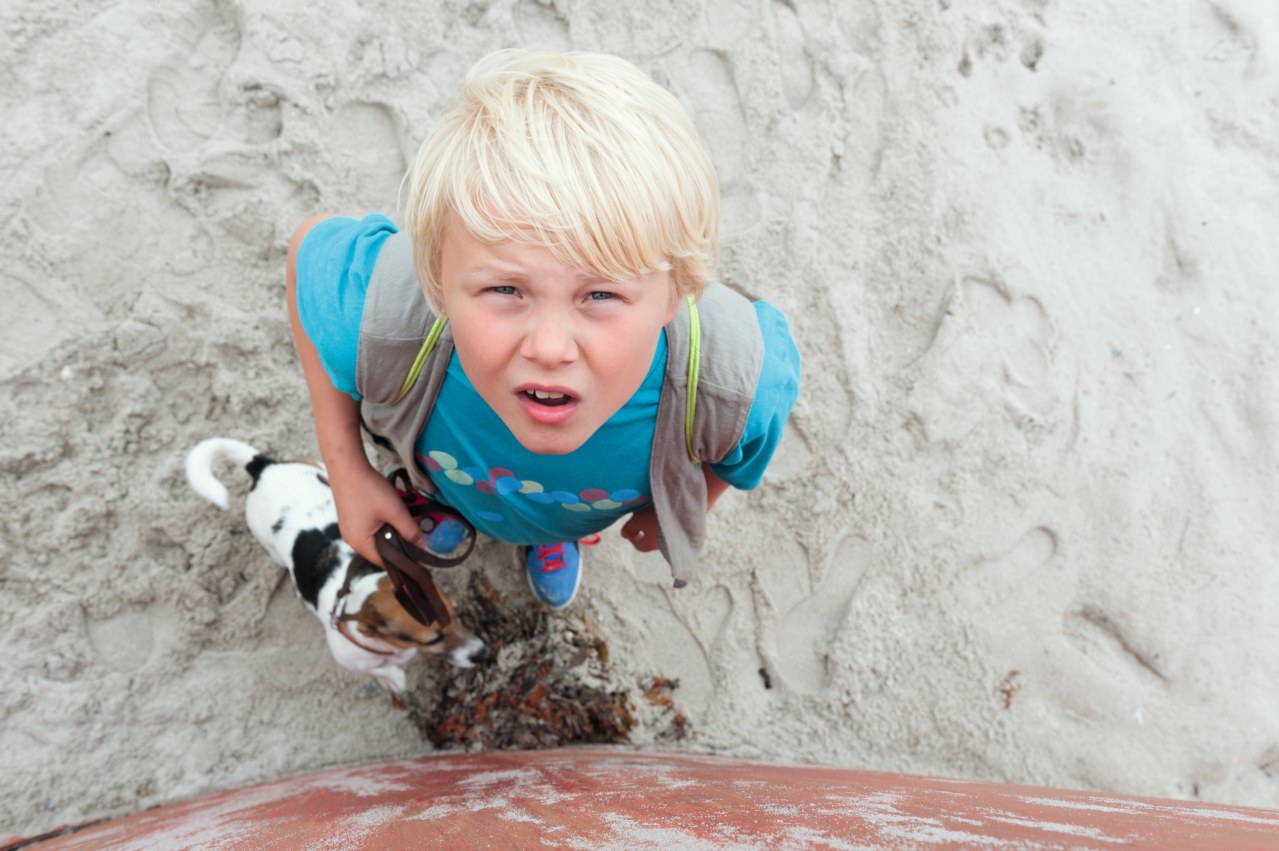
(471, 653)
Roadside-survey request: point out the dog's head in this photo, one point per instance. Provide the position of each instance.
(383, 617)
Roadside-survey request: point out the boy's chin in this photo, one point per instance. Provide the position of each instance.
(549, 440)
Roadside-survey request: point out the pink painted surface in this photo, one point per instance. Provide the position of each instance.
(602, 798)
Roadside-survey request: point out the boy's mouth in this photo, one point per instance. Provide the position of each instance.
(547, 405)
(548, 398)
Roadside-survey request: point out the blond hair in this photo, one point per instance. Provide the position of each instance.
(579, 152)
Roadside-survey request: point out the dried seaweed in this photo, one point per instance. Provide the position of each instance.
(546, 684)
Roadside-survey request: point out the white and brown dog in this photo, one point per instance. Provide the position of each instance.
(290, 511)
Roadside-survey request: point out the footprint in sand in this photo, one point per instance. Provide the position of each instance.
(992, 581)
(808, 629)
(366, 166)
(541, 26)
(192, 99)
(446, 71)
(1103, 639)
(697, 625)
(184, 96)
(997, 42)
(366, 157)
(864, 146)
(740, 208)
(792, 54)
(996, 137)
(705, 79)
(126, 641)
(1001, 336)
(194, 96)
(1073, 126)
(1031, 52)
(1226, 33)
(990, 357)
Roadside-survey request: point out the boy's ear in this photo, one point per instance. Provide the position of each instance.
(676, 300)
(677, 297)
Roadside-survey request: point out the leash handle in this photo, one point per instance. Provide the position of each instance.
(414, 587)
(406, 564)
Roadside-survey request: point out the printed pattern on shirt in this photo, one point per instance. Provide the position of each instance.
(505, 484)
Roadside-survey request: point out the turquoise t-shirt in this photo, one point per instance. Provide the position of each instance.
(508, 492)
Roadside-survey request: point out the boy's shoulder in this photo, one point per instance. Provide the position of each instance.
(720, 336)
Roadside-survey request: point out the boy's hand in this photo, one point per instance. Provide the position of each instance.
(365, 500)
(641, 529)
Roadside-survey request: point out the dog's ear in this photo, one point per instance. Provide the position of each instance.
(382, 616)
(374, 622)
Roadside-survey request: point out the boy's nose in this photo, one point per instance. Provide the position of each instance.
(549, 341)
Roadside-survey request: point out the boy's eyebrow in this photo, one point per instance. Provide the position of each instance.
(504, 274)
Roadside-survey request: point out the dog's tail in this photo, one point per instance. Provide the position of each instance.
(206, 453)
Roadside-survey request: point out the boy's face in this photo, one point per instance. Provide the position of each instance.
(554, 350)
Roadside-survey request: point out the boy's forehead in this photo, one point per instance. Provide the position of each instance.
(498, 255)
(459, 235)
(517, 247)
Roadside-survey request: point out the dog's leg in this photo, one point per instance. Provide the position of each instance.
(391, 677)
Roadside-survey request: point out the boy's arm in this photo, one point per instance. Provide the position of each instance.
(363, 497)
(715, 486)
(641, 528)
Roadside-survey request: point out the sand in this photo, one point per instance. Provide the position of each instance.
(1021, 528)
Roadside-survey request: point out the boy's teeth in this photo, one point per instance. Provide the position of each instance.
(548, 398)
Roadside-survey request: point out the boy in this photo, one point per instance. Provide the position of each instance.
(559, 217)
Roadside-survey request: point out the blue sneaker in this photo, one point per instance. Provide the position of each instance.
(442, 533)
(554, 572)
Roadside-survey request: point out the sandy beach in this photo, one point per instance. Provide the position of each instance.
(1022, 527)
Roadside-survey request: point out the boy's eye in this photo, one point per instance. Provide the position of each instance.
(599, 295)
(503, 290)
